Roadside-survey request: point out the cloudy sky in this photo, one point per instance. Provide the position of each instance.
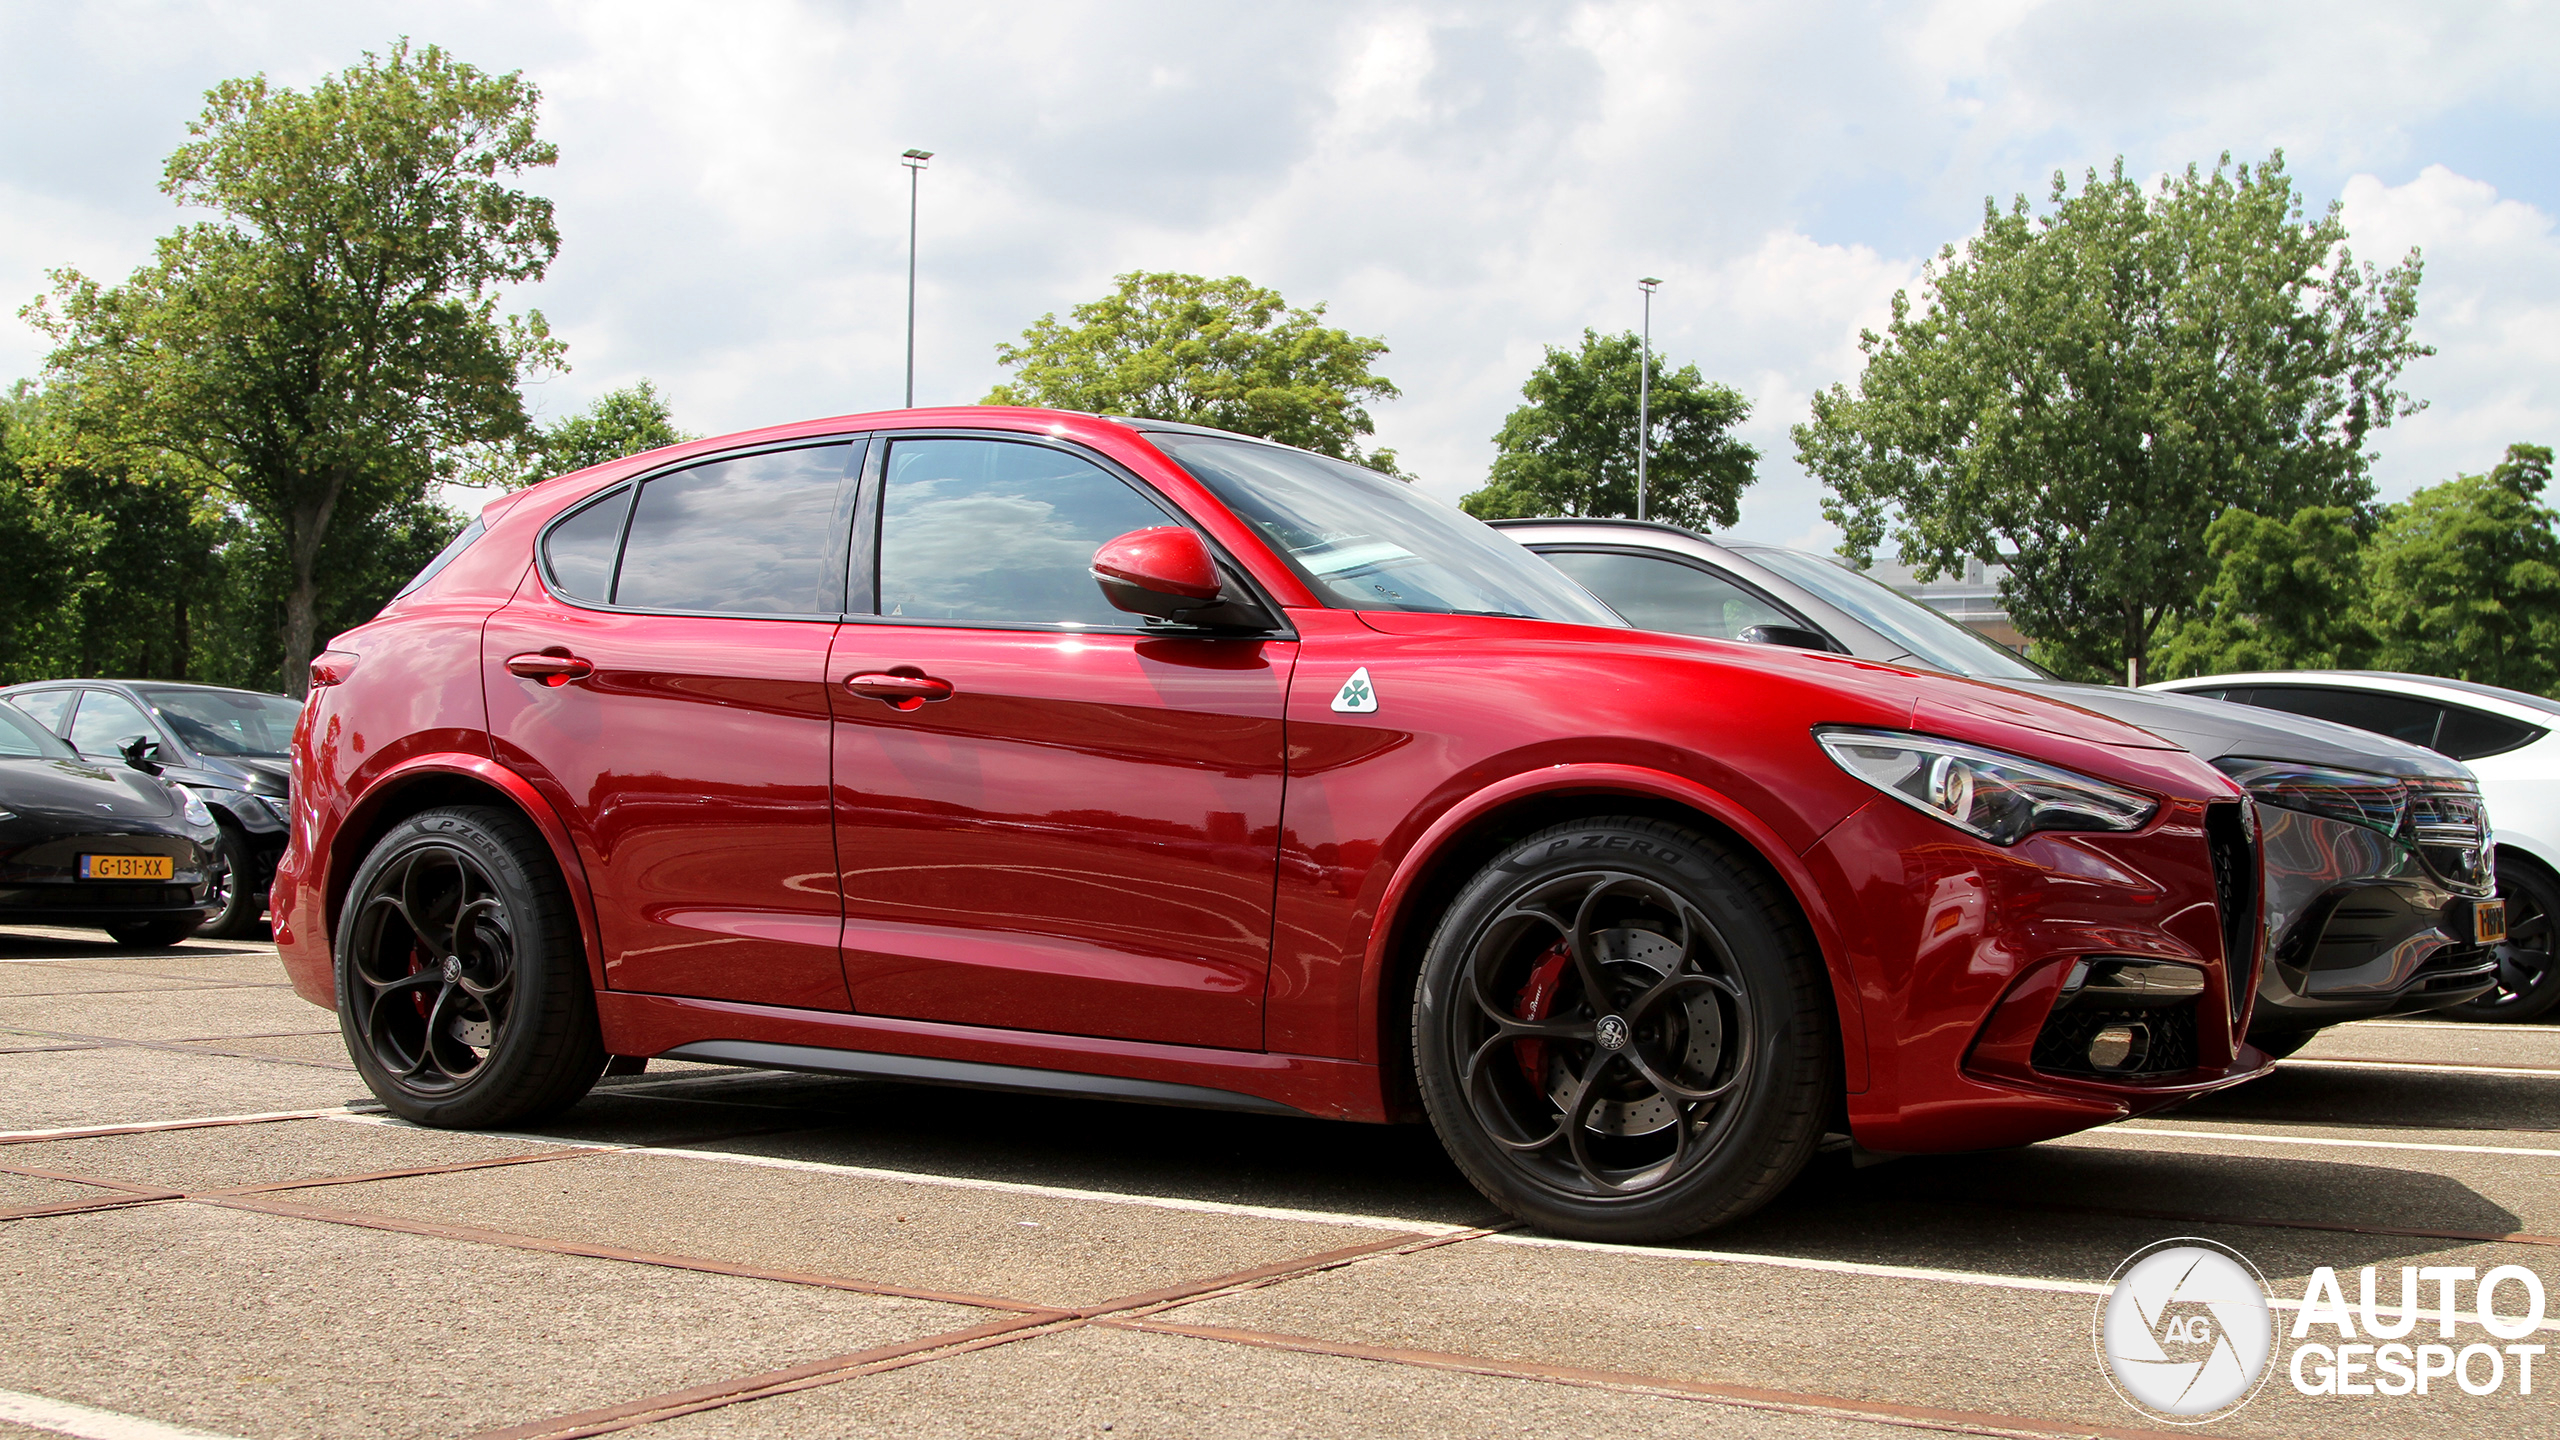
(1471, 182)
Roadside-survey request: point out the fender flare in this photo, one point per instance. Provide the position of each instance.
(564, 852)
(1633, 780)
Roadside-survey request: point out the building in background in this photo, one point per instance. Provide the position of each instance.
(1972, 599)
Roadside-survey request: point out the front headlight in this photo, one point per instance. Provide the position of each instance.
(192, 806)
(2375, 801)
(2001, 798)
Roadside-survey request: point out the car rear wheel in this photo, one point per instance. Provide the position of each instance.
(2528, 966)
(153, 934)
(462, 986)
(233, 889)
(1622, 1032)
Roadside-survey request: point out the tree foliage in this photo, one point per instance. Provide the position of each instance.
(617, 423)
(2286, 595)
(1572, 449)
(2082, 393)
(2466, 578)
(1224, 353)
(322, 351)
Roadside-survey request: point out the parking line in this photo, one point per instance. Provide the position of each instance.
(2247, 1138)
(2456, 1067)
(2546, 1032)
(65, 1418)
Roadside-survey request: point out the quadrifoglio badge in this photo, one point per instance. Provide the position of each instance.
(2187, 1333)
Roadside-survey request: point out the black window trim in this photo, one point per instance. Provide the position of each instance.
(630, 490)
(1648, 552)
(867, 542)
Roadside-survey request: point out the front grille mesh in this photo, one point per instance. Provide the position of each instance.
(2235, 895)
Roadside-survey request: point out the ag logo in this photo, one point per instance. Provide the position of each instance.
(1357, 696)
(2184, 1331)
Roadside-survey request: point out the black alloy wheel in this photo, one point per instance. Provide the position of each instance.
(230, 892)
(462, 986)
(1622, 1032)
(158, 933)
(2528, 969)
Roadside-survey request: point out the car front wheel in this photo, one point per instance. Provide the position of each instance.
(2528, 963)
(462, 985)
(1622, 1032)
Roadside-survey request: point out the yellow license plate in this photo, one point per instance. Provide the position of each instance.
(2489, 921)
(127, 867)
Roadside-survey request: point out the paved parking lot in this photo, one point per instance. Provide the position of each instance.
(206, 1228)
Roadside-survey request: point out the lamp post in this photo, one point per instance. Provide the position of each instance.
(1644, 392)
(914, 160)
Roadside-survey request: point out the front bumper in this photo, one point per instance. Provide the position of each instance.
(2358, 925)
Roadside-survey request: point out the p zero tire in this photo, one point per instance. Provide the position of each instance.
(462, 985)
(1622, 1032)
(2529, 958)
(235, 889)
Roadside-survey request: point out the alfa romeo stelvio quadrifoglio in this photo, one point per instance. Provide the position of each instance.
(1047, 752)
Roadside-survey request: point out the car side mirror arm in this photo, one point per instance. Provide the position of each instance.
(140, 752)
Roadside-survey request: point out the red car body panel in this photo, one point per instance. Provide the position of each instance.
(1172, 860)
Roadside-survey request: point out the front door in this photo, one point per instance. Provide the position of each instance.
(663, 682)
(1081, 836)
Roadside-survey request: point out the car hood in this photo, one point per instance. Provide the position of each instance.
(75, 789)
(2214, 729)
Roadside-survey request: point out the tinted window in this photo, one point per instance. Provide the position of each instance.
(758, 535)
(2470, 735)
(225, 722)
(1365, 542)
(1923, 633)
(105, 721)
(21, 737)
(1656, 593)
(2397, 716)
(578, 555)
(998, 533)
(444, 557)
(47, 706)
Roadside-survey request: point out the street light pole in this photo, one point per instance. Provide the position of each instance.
(914, 160)
(1644, 392)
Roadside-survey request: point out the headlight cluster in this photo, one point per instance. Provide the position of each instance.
(2376, 801)
(192, 806)
(2001, 798)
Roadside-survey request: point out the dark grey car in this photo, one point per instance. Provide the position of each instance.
(2373, 853)
(231, 747)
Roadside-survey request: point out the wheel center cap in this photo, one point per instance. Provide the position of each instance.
(452, 967)
(1611, 1032)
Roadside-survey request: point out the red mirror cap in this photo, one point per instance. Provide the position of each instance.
(1163, 560)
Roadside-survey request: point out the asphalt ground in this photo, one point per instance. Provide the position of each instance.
(206, 1228)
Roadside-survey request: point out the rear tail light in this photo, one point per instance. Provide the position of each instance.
(330, 667)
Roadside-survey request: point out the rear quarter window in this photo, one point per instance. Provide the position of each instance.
(2474, 735)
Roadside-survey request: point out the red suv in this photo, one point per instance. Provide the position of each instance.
(1047, 752)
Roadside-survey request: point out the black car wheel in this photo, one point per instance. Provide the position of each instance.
(154, 934)
(1622, 1032)
(2528, 977)
(233, 889)
(462, 986)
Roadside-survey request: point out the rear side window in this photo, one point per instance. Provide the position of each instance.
(577, 556)
(759, 535)
(2397, 716)
(1655, 593)
(2472, 735)
(995, 533)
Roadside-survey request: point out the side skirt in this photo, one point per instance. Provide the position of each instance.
(973, 1074)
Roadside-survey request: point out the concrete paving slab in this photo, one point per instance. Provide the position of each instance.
(161, 1014)
(73, 979)
(221, 1156)
(1041, 1249)
(1145, 1386)
(261, 1326)
(1921, 1343)
(327, 1047)
(122, 1084)
(2441, 1099)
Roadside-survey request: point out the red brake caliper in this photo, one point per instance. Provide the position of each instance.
(1536, 1000)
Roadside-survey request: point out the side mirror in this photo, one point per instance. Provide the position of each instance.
(140, 751)
(1792, 636)
(1166, 573)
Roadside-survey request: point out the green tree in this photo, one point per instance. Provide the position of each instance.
(1225, 353)
(2286, 595)
(2466, 578)
(1572, 449)
(617, 423)
(2083, 393)
(324, 351)
(43, 546)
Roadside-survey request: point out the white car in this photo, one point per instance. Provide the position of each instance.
(2511, 740)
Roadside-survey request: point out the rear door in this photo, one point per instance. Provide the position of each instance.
(661, 678)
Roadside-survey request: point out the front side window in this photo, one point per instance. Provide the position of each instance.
(106, 722)
(49, 707)
(994, 532)
(758, 535)
(1364, 542)
(1656, 592)
(22, 738)
(1925, 635)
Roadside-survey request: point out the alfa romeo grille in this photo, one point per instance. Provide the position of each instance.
(2235, 896)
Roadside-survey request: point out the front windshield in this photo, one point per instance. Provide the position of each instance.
(24, 739)
(228, 722)
(1929, 637)
(1364, 542)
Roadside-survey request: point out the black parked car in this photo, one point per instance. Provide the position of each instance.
(2375, 855)
(105, 845)
(229, 747)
